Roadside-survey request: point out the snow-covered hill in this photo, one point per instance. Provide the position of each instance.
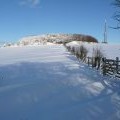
(51, 38)
(56, 38)
(48, 83)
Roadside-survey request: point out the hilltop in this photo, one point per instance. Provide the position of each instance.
(53, 38)
(57, 38)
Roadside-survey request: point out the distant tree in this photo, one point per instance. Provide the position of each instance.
(84, 38)
(116, 15)
(89, 38)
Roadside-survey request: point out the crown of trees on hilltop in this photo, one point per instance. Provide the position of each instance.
(80, 37)
(58, 38)
(84, 38)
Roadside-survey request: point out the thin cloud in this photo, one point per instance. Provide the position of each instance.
(30, 3)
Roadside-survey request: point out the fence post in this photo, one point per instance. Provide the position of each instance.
(88, 61)
(98, 64)
(95, 61)
(92, 62)
(117, 64)
(104, 66)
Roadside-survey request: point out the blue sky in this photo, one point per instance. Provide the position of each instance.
(19, 18)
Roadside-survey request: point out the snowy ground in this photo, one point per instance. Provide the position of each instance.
(48, 83)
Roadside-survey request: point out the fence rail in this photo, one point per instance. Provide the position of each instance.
(107, 66)
(111, 67)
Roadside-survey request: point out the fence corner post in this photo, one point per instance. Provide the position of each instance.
(104, 66)
(117, 64)
(88, 61)
(92, 62)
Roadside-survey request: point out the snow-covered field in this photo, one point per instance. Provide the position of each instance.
(48, 83)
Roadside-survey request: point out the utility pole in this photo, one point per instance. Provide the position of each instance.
(105, 32)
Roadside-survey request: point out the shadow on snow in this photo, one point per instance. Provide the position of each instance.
(55, 91)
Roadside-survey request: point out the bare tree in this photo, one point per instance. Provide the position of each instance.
(97, 56)
(116, 15)
(82, 52)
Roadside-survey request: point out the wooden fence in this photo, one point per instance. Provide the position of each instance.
(107, 66)
(94, 62)
(111, 67)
